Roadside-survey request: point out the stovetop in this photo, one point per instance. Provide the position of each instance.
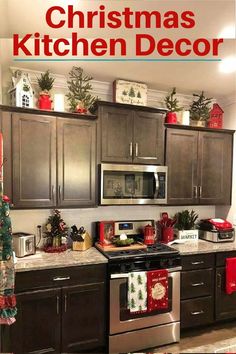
(156, 251)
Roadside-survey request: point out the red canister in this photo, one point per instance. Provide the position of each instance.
(167, 234)
(149, 235)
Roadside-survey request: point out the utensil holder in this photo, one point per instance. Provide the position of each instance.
(167, 234)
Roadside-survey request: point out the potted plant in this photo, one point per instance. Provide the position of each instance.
(200, 110)
(55, 230)
(45, 82)
(172, 104)
(79, 96)
(185, 225)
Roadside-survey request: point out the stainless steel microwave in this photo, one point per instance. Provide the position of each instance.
(133, 184)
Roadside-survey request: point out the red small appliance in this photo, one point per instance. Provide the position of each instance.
(149, 235)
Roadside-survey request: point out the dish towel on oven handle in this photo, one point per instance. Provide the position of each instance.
(230, 272)
(157, 289)
(137, 292)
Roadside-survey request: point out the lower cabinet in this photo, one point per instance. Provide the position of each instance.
(67, 317)
(197, 290)
(203, 290)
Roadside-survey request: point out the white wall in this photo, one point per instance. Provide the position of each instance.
(229, 212)
(27, 220)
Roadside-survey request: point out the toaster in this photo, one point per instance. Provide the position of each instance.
(23, 244)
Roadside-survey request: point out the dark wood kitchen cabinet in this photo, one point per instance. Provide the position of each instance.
(59, 310)
(50, 160)
(197, 290)
(131, 135)
(199, 166)
(225, 304)
(76, 156)
(34, 160)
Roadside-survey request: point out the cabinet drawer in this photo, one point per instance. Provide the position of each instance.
(60, 277)
(198, 261)
(196, 283)
(220, 257)
(196, 312)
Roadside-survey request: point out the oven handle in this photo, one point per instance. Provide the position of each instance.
(126, 275)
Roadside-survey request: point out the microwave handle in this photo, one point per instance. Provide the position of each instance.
(156, 185)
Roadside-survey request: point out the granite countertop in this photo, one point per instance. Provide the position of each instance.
(202, 246)
(69, 258)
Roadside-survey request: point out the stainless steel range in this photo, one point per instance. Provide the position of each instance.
(135, 331)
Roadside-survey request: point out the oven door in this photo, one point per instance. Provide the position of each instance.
(121, 320)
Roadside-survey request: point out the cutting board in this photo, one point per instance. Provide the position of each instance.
(112, 248)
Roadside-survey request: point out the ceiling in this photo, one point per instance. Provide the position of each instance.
(211, 16)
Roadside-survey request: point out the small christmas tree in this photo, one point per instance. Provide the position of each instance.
(140, 282)
(132, 303)
(172, 104)
(132, 289)
(131, 93)
(45, 82)
(55, 230)
(140, 295)
(139, 95)
(79, 95)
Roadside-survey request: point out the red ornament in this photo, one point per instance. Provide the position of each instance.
(45, 102)
(171, 118)
(216, 117)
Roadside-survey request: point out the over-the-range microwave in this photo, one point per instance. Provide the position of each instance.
(133, 184)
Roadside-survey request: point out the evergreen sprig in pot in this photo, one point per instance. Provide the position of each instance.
(200, 110)
(45, 82)
(172, 104)
(185, 225)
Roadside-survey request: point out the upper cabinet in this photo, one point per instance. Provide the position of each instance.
(131, 134)
(51, 160)
(199, 165)
(34, 160)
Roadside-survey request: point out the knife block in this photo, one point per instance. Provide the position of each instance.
(83, 245)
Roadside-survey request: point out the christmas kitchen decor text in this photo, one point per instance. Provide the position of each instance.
(133, 23)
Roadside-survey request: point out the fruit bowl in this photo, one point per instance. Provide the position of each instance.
(121, 243)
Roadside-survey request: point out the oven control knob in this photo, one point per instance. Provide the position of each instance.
(147, 265)
(132, 267)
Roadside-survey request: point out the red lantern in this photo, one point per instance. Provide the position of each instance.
(216, 117)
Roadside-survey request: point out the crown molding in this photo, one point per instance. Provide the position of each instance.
(104, 90)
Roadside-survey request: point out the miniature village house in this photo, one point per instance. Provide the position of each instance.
(21, 92)
(216, 117)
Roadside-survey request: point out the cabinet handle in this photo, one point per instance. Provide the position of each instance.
(197, 263)
(197, 313)
(130, 149)
(61, 278)
(53, 194)
(200, 191)
(58, 309)
(136, 149)
(197, 284)
(65, 304)
(59, 192)
(195, 192)
(219, 278)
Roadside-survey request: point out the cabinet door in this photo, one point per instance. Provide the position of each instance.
(225, 305)
(116, 134)
(34, 160)
(215, 168)
(83, 319)
(37, 326)
(148, 138)
(5, 127)
(76, 162)
(181, 159)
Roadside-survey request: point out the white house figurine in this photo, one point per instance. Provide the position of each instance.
(21, 92)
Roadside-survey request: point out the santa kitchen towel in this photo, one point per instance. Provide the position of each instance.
(137, 292)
